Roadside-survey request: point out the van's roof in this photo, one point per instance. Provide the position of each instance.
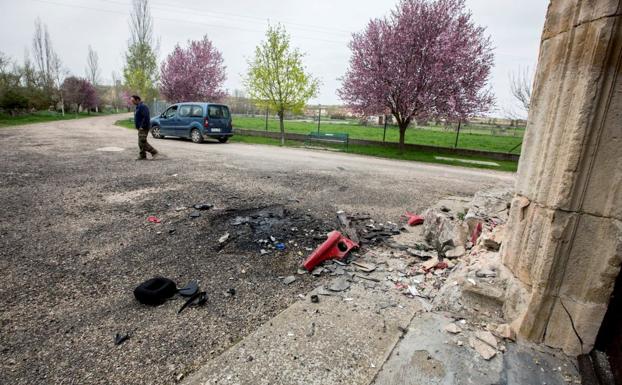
(203, 103)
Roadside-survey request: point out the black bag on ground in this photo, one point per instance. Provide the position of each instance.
(155, 291)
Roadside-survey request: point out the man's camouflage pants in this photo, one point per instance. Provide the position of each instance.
(143, 146)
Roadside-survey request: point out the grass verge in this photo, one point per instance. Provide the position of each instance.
(470, 137)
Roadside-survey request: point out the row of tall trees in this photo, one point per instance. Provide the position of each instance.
(426, 60)
(42, 83)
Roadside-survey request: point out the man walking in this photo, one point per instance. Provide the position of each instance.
(142, 121)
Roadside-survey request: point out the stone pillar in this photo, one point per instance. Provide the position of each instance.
(564, 236)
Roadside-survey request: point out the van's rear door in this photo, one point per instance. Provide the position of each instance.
(219, 118)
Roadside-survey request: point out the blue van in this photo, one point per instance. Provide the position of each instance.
(193, 120)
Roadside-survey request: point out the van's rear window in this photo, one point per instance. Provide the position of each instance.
(218, 112)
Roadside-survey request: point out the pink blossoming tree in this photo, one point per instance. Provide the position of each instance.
(427, 59)
(195, 73)
(80, 93)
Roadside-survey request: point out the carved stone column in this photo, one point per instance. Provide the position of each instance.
(564, 235)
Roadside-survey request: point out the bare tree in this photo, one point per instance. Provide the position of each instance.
(116, 91)
(92, 69)
(520, 86)
(141, 23)
(43, 53)
(58, 75)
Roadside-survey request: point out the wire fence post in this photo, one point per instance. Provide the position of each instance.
(266, 118)
(457, 134)
(319, 117)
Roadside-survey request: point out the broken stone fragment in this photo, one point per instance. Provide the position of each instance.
(366, 267)
(339, 284)
(223, 239)
(505, 331)
(484, 350)
(429, 264)
(453, 328)
(420, 253)
(289, 279)
(203, 206)
(195, 214)
(317, 271)
(487, 337)
(456, 252)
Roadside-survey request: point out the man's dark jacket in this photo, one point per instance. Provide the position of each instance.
(141, 117)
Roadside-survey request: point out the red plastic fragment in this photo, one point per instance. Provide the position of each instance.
(477, 231)
(336, 246)
(414, 219)
(153, 219)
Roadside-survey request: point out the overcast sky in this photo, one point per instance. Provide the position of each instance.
(321, 28)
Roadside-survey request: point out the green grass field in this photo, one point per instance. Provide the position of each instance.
(44, 116)
(470, 137)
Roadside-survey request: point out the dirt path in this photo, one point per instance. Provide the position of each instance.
(74, 242)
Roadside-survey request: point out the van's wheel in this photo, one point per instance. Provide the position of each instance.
(196, 136)
(223, 139)
(155, 132)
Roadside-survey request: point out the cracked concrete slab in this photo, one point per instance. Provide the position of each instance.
(428, 355)
(343, 339)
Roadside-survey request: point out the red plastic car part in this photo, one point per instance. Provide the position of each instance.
(336, 246)
(414, 219)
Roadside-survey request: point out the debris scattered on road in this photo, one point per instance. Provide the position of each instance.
(487, 337)
(231, 291)
(153, 219)
(505, 331)
(414, 219)
(195, 214)
(453, 328)
(484, 350)
(203, 206)
(336, 246)
(456, 252)
(280, 246)
(339, 284)
(121, 338)
(315, 298)
(224, 239)
(289, 279)
(365, 267)
(190, 289)
(155, 291)
(198, 299)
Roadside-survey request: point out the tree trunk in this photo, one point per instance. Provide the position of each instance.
(282, 128)
(403, 127)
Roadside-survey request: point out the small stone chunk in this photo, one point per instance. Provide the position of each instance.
(453, 328)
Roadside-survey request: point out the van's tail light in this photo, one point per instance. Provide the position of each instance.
(206, 123)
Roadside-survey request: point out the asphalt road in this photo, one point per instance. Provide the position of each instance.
(74, 242)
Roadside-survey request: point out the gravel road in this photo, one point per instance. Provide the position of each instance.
(75, 241)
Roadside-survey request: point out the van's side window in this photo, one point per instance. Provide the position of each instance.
(197, 112)
(215, 112)
(184, 111)
(170, 112)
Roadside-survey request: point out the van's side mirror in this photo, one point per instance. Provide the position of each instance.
(162, 115)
